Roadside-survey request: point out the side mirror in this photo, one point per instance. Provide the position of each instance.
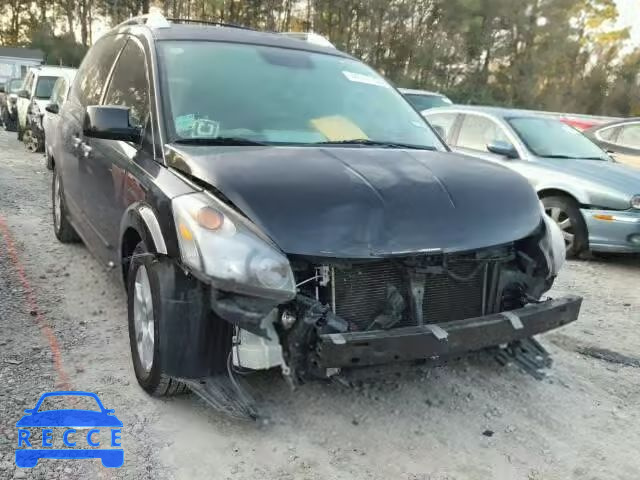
(501, 147)
(52, 108)
(109, 123)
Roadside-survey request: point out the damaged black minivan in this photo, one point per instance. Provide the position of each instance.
(269, 202)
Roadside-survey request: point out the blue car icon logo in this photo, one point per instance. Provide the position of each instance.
(82, 428)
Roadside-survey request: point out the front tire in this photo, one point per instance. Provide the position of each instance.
(144, 292)
(61, 226)
(566, 213)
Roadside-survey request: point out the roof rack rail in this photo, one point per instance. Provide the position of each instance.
(152, 20)
(206, 22)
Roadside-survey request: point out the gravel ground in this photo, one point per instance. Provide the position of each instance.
(63, 325)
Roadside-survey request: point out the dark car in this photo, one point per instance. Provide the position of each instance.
(621, 139)
(8, 104)
(272, 202)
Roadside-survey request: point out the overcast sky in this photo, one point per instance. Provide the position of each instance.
(630, 17)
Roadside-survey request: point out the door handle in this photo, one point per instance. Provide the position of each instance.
(86, 149)
(76, 141)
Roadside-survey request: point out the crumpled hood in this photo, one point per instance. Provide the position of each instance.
(364, 202)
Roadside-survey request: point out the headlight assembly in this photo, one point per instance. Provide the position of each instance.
(635, 202)
(218, 242)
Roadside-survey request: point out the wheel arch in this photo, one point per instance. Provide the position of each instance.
(139, 223)
(559, 192)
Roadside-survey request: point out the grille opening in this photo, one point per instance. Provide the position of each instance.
(361, 292)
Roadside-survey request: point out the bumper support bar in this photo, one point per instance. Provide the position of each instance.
(356, 349)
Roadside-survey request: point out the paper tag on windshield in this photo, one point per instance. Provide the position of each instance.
(184, 123)
(361, 78)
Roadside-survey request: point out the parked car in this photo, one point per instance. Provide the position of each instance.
(423, 99)
(621, 139)
(281, 205)
(50, 120)
(32, 99)
(8, 105)
(594, 200)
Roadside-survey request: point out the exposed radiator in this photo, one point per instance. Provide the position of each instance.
(361, 292)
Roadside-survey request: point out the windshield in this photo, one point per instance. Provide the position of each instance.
(552, 138)
(15, 85)
(281, 96)
(44, 87)
(424, 102)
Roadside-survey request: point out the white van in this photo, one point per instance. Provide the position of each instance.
(36, 92)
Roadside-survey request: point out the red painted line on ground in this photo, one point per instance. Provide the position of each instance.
(34, 310)
(32, 306)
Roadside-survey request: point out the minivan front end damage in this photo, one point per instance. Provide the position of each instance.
(356, 313)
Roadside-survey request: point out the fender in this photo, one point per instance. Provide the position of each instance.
(143, 219)
(579, 194)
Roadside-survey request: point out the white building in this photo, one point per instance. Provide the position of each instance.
(16, 61)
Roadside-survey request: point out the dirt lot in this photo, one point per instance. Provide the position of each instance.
(63, 325)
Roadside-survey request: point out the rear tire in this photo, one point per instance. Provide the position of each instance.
(566, 213)
(61, 226)
(144, 308)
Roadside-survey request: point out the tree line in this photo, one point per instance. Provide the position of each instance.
(561, 55)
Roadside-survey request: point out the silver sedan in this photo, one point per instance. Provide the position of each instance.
(594, 200)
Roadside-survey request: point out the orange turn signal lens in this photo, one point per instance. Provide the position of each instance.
(209, 218)
(606, 218)
(185, 232)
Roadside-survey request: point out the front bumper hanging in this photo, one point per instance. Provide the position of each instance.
(354, 349)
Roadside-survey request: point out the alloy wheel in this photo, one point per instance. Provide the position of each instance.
(30, 140)
(143, 318)
(563, 220)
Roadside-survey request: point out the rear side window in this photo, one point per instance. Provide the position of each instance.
(607, 134)
(630, 136)
(94, 71)
(129, 86)
(443, 122)
(477, 132)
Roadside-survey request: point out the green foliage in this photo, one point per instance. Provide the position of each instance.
(58, 50)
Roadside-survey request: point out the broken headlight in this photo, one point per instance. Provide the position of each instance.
(552, 245)
(218, 242)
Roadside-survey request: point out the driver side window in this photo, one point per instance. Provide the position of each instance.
(129, 86)
(477, 132)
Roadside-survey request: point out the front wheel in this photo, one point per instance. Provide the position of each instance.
(31, 140)
(565, 212)
(144, 291)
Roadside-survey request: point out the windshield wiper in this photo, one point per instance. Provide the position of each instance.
(224, 141)
(375, 143)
